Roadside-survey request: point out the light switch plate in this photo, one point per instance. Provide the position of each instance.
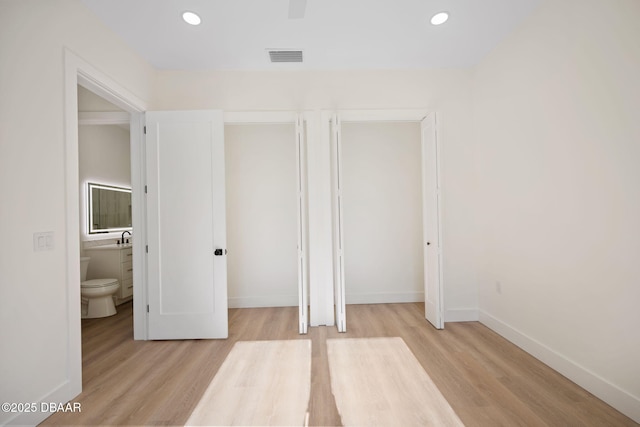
(43, 241)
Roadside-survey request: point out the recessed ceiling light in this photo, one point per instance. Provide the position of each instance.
(191, 18)
(439, 18)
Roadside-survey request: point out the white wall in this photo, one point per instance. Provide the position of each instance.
(104, 157)
(558, 195)
(262, 216)
(445, 91)
(90, 102)
(33, 288)
(382, 206)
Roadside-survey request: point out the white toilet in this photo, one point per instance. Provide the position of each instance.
(97, 294)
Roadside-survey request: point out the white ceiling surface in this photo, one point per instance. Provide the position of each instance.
(334, 34)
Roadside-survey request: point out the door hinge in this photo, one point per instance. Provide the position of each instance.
(145, 189)
(147, 308)
(146, 248)
(145, 130)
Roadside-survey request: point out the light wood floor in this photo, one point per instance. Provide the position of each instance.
(487, 380)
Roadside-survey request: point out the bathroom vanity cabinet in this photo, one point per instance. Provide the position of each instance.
(113, 261)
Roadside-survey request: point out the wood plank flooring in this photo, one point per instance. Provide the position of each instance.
(487, 380)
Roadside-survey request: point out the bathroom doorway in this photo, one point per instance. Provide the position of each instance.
(105, 198)
(78, 72)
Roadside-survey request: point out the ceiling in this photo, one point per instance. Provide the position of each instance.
(333, 34)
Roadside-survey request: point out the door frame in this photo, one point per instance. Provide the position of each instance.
(79, 72)
(298, 120)
(396, 115)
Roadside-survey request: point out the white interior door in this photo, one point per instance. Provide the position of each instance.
(187, 277)
(338, 226)
(303, 283)
(433, 294)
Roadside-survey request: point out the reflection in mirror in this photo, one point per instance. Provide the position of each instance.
(109, 208)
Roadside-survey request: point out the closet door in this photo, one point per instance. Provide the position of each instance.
(338, 226)
(187, 276)
(433, 294)
(303, 283)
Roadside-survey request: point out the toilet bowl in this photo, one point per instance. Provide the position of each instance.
(97, 294)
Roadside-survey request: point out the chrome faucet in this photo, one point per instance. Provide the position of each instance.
(122, 241)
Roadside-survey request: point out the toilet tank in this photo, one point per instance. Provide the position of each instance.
(84, 265)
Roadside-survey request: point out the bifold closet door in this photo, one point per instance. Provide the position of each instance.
(434, 295)
(382, 212)
(262, 214)
(340, 309)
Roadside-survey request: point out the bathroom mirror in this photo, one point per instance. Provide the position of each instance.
(109, 208)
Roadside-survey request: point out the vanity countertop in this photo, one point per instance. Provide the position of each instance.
(112, 246)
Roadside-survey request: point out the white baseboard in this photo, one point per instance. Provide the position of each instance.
(263, 301)
(461, 315)
(598, 386)
(384, 297)
(62, 394)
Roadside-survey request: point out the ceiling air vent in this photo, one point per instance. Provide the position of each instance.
(285, 55)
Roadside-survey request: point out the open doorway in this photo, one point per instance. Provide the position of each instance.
(382, 206)
(386, 214)
(266, 211)
(79, 72)
(105, 208)
(260, 171)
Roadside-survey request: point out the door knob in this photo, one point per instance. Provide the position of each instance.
(428, 243)
(218, 252)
